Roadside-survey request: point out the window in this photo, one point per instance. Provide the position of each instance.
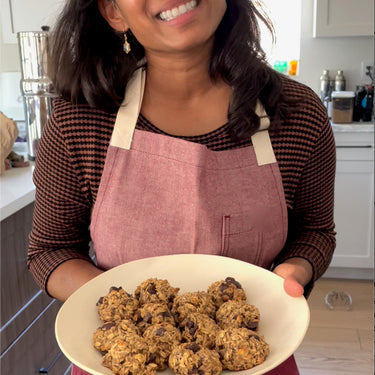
(286, 18)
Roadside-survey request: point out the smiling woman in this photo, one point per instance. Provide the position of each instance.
(185, 141)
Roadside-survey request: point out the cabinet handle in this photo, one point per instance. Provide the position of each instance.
(44, 370)
(360, 146)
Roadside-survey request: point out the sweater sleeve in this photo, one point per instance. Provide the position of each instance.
(311, 233)
(60, 228)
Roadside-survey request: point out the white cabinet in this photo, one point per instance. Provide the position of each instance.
(343, 18)
(26, 15)
(354, 197)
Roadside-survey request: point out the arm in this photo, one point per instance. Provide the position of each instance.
(311, 236)
(58, 254)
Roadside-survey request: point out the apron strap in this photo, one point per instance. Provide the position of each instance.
(261, 139)
(128, 113)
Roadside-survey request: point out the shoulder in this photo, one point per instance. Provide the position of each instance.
(69, 117)
(308, 117)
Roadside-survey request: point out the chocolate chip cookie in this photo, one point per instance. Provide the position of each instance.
(192, 358)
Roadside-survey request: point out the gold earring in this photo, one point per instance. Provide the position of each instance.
(126, 47)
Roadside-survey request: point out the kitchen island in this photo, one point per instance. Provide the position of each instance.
(28, 344)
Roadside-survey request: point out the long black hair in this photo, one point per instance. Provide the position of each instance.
(87, 63)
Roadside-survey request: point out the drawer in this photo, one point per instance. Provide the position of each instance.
(17, 285)
(36, 348)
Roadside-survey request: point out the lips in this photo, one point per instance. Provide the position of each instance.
(171, 14)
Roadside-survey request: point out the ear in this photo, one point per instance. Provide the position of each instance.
(111, 13)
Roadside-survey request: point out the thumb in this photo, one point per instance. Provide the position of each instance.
(293, 287)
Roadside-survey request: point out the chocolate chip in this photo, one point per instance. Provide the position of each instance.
(193, 347)
(100, 301)
(148, 318)
(191, 326)
(231, 280)
(252, 325)
(108, 326)
(117, 289)
(166, 314)
(160, 332)
(151, 289)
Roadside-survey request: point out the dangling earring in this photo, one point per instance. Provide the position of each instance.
(126, 47)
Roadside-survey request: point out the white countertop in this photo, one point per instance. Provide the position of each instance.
(17, 189)
(353, 127)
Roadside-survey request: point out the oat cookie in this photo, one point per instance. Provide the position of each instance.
(199, 328)
(226, 290)
(152, 313)
(107, 334)
(156, 291)
(241, 349)
(129, 357)
(161, 339)
(193, 302)
(192, 358)
(116, 305)
(238, 314)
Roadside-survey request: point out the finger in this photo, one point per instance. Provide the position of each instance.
(292, 287)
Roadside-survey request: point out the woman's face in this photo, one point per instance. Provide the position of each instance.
(168, 25)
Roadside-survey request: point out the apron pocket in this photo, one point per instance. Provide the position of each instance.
(240, 239)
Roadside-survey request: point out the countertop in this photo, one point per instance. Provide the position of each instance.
(17, 189)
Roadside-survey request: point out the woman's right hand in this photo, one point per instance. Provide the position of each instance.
(70, 276)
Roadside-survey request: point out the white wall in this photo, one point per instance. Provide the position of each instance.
(345, 53)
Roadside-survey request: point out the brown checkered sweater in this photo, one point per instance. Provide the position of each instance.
(71, 158)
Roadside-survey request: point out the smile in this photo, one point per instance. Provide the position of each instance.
(171, 14)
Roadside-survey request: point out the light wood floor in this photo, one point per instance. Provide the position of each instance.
(339, 342)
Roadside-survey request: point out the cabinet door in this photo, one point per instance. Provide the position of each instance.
(343, 18)
(354, 214)
(26, 15)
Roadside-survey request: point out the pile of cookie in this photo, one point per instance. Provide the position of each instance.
(202, 332)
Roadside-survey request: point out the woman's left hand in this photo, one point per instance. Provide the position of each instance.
(297, 272)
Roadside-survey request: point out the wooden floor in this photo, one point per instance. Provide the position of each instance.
(339, 342)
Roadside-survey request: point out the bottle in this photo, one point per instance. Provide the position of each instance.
(324, 85)
(340, 81)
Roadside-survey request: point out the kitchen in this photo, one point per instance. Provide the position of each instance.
(355, 164)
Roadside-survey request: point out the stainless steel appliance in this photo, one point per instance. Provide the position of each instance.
(36, 87)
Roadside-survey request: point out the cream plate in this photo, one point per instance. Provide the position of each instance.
(283, 319)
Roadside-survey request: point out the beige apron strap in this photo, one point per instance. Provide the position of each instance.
(261, 139)
(128, 113)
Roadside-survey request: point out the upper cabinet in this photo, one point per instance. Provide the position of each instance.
(26, 15)
(343, 18)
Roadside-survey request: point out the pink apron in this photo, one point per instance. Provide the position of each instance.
(161, 195)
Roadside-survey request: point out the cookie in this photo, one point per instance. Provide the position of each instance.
(199, 328)
(238, 314)
(156, 291)
(241, 349)
(116, 305)
(192, 358)
(161, 339)
(129, 357)
(226, 290)
(107, 334)
(193, 302)
(152, 313)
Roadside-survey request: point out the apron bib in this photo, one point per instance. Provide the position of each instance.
(161, 195)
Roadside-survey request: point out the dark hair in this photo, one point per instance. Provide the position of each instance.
(87, 63)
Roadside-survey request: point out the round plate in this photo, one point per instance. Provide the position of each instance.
(283, 319)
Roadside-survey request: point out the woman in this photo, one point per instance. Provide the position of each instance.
(173, 135)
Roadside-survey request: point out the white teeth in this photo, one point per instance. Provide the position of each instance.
(171, 14)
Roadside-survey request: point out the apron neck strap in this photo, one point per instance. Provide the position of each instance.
(128, 113)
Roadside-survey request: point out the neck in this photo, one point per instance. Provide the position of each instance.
(178, 76)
